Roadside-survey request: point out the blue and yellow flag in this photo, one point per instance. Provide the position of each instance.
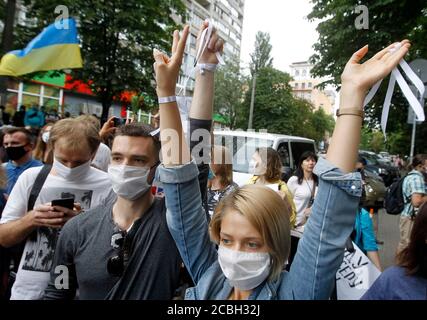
(52, 49)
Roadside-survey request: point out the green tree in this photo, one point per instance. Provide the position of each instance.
(320, 124)
(229, 84)
(261, 57)
(389, 21)
(117, 40)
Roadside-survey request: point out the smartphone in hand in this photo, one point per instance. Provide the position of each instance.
(66, 203)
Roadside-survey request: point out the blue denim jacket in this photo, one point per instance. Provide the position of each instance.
(320, 250)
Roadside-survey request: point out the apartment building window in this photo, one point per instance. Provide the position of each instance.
(303, 85)
(304, 73)
(225, 2)
(297, 73)
(310, 84)
(234, 12)
(197, 21)
(193, 40)
(296, 85)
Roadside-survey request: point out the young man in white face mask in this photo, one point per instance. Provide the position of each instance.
(124, 250)
(74, 146)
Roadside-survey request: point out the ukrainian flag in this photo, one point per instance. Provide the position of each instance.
(52, 49)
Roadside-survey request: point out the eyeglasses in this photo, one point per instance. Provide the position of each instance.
(116, 263)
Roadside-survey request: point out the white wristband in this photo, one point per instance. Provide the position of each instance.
(167, 99)
(206, 66)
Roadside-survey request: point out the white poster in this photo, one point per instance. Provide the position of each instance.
(355, 276)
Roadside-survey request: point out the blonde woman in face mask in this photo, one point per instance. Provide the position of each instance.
(251, 226)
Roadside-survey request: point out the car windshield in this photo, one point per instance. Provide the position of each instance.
(242, 148)
(371, 159)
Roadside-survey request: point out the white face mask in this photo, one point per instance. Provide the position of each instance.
(45, 136)
(251, 167)
(76, 173)
(244, 270)
(129, 182)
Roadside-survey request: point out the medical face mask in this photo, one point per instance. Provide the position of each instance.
(252, 165)
(67, 173)
(45, 136)
(129, 182)
(244, 270)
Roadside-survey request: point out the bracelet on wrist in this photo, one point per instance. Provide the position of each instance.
(351, 111)
(168, 99)
(206, 67)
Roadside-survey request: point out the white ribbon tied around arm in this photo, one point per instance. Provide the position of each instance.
(409, 95)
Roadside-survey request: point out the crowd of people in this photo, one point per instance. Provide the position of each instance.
(80, 219)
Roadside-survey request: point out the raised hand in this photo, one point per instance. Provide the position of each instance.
(361, 77)
(216, 44)
(167, 69)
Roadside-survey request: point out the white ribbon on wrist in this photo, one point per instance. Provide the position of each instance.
(407, 92)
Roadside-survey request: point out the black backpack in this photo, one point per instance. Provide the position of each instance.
(394, 202)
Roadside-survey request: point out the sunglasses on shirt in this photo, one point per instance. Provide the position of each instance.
(116, 263)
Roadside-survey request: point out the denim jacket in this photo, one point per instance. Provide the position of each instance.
(320, 250)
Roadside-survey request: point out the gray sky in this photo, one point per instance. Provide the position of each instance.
(292, 35)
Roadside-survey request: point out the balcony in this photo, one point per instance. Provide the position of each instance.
(204, 3)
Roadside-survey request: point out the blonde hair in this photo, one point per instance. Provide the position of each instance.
(221, 158)
(75, 133)
(267, 212)
(90, 118)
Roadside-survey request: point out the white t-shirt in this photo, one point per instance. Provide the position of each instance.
(33, 273)
(302, 195)
(102, 157)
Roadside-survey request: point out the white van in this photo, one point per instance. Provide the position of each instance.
(243, 144)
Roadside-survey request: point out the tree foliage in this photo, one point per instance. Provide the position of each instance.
(261, 57)
(117, 39)
(229, 83)
(389, 21)
(277, 111)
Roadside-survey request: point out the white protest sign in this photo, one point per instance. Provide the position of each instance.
(355, 275)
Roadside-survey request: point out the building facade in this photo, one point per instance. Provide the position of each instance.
(227, 16)
(304, 87)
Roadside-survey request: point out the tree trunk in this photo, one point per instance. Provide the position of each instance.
(7, 41)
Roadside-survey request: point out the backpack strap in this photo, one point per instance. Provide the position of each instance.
(38, 184)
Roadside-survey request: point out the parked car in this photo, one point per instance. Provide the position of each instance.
(388, 173)
(385, 156)
(243, 145)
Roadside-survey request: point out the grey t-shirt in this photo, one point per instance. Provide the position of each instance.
(84, 247)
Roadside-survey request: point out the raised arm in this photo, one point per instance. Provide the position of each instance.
(185, 215)
(320, 251)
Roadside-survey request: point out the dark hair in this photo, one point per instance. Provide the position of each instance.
(273, 166)
(362, 160)
(414, 257)
(417, 160)
(299, 172)
(138, 130)
(30, 137)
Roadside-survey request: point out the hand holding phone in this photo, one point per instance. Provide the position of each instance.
(65, 203)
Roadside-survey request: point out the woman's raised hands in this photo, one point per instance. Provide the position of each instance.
(167, 69)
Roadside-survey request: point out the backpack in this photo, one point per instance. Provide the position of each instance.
(394, 202)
